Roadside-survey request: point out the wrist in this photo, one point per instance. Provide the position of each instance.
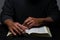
(47, 20)
(8, 22)
(41, 20)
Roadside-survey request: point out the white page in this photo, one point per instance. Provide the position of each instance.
(37, 30)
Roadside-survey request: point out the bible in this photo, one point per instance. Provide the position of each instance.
(43, 31)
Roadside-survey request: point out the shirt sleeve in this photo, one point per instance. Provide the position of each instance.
(7, 10)
(52, 10)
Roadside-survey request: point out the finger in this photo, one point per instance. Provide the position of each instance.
(22, 31)
(27, 20)
(22, 28)
(14, 28)
(19, 28)
(12, 31)
(30, 22)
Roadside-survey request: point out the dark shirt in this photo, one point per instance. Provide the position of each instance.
(19, 10)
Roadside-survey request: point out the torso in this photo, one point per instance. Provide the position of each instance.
(24, 9)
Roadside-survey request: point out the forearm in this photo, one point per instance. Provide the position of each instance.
(48, 19)
(45, 21)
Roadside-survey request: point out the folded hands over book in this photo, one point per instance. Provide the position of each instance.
(17, 28)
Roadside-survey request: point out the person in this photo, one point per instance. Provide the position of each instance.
(19, 15)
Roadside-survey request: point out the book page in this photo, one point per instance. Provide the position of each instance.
(37, 30)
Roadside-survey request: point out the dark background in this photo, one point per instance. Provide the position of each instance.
(1, 4)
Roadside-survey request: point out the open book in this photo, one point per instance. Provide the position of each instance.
(40, 32)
